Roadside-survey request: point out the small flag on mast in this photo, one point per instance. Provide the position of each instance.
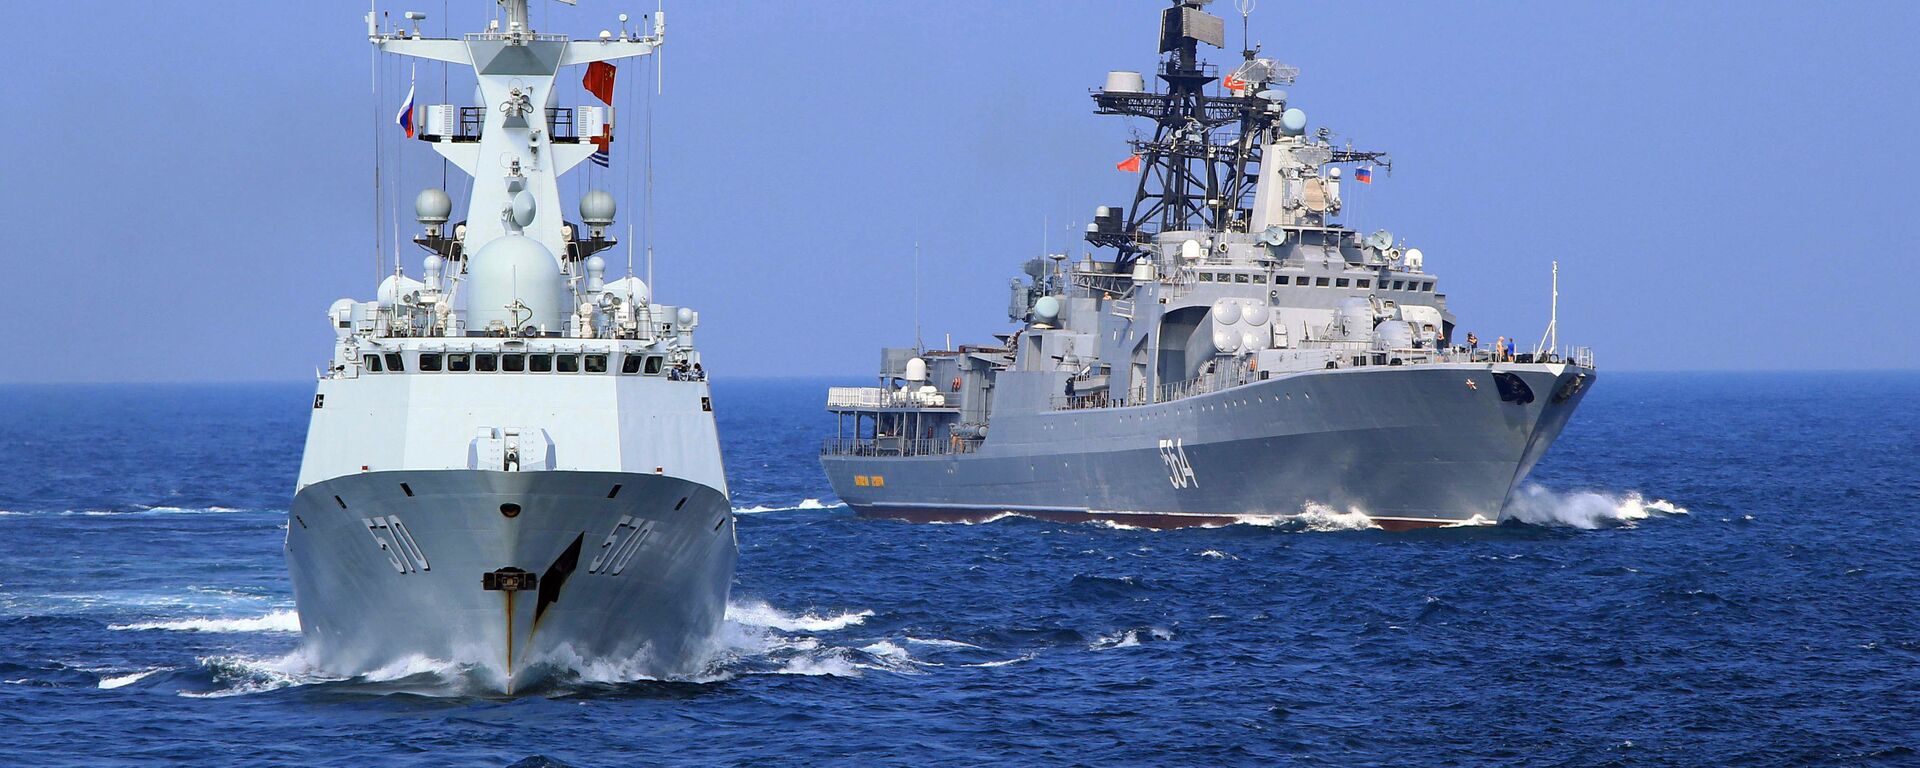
(1234, 83)
(1363, 175)
(1130, 165)
(404, 118)
(599, 81)
(603, 155)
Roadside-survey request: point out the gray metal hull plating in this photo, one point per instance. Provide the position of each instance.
(1408, 446)
(647, 585)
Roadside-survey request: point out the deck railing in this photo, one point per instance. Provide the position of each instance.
(1240, 373)
(894, 446)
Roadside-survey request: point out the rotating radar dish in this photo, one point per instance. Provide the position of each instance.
(1380, 240)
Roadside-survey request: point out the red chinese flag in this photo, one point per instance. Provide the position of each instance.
(1130, 165)
(599, 81)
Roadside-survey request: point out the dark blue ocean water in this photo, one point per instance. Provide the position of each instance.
(145, 614)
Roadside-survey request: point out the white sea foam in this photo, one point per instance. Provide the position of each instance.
(804, 504)
(240, 676)
(1586, 510)
(111, 682)
(1131, 638)
(996, 517)
(277, 621)
(1315, 517)
(758, 613)
(1217, 554)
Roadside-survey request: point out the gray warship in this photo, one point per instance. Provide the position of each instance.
(1232, 351)
(511, 463)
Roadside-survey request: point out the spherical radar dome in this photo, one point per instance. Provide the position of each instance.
(597, 208)
(433, 206)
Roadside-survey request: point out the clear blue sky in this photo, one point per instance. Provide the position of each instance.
(1726, 186)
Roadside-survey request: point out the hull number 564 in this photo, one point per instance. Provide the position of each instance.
(1179, 470)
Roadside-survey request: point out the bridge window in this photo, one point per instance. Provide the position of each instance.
(371, 363)
(1398, 284)
(540, 363)
(394, 363)
(630, 364)
(1340, 283)
(567, 363)
(1206, 277)
(459, 362)
(1321, 282)
(430, 361)
(596, 363)
(654, 364)
(1261, 279)
(1240, 278)
(513, 363)
(485, 363)
(1363, 283)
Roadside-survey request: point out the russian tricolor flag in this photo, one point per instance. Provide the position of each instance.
(1363, 175)
(405, 118)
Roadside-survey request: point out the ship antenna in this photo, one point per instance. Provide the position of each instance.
(918, 345)
(379, 193)
(1551, 339)
(1246, 11)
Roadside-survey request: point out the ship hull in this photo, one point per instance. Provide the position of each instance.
(1413, 446)
(385, 574)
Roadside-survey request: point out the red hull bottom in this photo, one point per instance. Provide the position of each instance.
(1154, 520)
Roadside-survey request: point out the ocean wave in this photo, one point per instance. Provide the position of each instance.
(277, 621)
(1586, 510)
(804, 504)
(1001, 662)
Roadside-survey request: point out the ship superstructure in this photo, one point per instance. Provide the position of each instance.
(512, 460)
(1235, 350)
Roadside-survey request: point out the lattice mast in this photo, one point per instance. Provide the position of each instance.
(1198, 169)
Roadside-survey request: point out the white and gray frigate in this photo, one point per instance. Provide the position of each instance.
(1235, 351)
(512, 460)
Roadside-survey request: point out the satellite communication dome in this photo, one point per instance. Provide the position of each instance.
(1293, 122)
(916, 370)
(596, 208)
(432, 206)
(515, 268)
(683, 316)
(1046, 310)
